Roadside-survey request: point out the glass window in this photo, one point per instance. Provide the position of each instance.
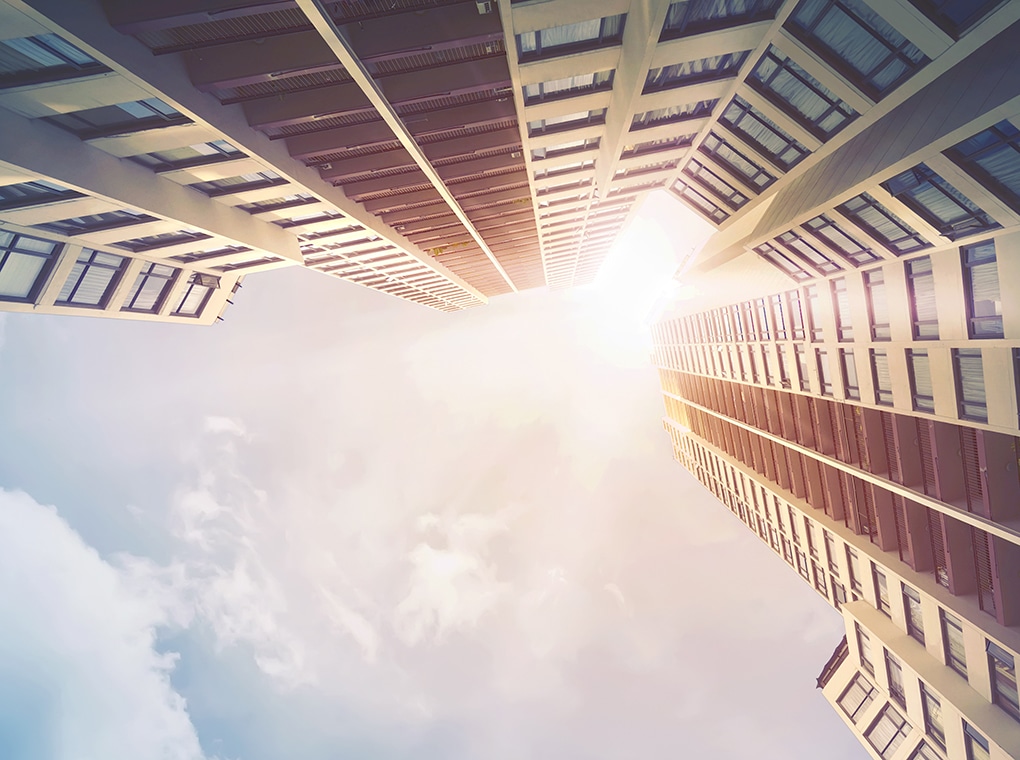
(196, 295)
(858, 42)
(715, 185)
(150, 288)
(32, 193)
(744, 168)
(162, 240)
(814, 312)
(107, 220)
(830, 551)
(993, 157)
(1004, 691)
(784, 261)
(849, 366)
(796, 315)
(673, 114)
(765, 364)
(802, 367)
(811, 254)
(45, 57)
(923, 305)
(878, 304)
(883, 225)
(841, 301)
(881, 377)
(970, 384)
(122, 118)
(838, 592)
(955, 17)
(933, 725)
(778, 315)
(563, 149)
(920, 381)
(688, 17)
(976, 744)
(198, 154)
(700, 202)
(881, 590)
(952, 640)
(857, 697)
(835, 238)
(940, 204)
(824, 371)
(801, 96)
(763, 134)
(784, 369)
(864, 647)
(691, 72)
(571, 38)
(568, 86)
(241, 183)
(912, 608)
(92, 279)
(855, 571)
(888, 732)
(24, 264)
(895, 672)
(925, 751)
(566, 122)
(981, 285)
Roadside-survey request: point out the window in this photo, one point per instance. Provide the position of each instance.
(714, 184)
(108, 220)
(912, 608)
(763, 134)
(43, 58)
(824, 371)
(976, 744)
(923, 305)
(241, 183)
(122, 118)
(920, 381)
(784, 261)
(811, 254)
(838, 592)
(744, 168)
(888, 732)
(981, 285)
(198, 154)
(653, 146)
(763, 319)
(784, 370)
(796, 316)
(932, 708)
(765, 366)
(970, 384)
(800, 95)
(804, 382)
(835, 238)
(92, 279)
(857, 697)
(952, 641)
(563, 149)
(878, 304)
(691, 72)
(700, 202)
(673, 114)
(864, 648)
(688, 17)
(881, 591)
(895, 672)
(855, 571)
(571, 38)
(154, 242)
(819, 578)
(841, 301)
(858, 42)
(993, 157)
(883, 225)
(881, 378)
(849, 366)
(830, 551)
(150, 288)
(24, 264)
(778, 315)
(566, 122)
(32, 193)
(567, 87)
(940, 204)
(925, 751)
(1004, 690)
(814, 312)
(196, 295)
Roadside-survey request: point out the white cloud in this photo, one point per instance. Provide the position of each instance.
(79, 673)
(226, 425)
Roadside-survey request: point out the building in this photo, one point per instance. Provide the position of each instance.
(441, 151)
(843, 368)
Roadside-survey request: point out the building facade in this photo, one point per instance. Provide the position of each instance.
(842, 368)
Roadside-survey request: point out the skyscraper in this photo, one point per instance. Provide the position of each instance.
(842, 365)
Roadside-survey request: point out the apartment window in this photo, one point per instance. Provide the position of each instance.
(692, 72)
(888, 732)
(981, 285)
(24, 264)
(814, 312)
(993, 157)
(800, 95)
(108, 220)
(751, 364)
(778, 316)
(932, 710)
(565, 149)
(857, 697)
(878, 304)
(697, 16)
(883, 225)
(150, 288)
(855, 572)
(819, 579)
(196, 295)
(766, 368)
(940, 204)
(895, 673)
(571, 38)
(920, 381)
(881, 378)
(567, 87)
(864, 648)
(714, 184)
(1004, 690)
(198, 154)
(975, 743)
(241, 183)
(811, 254)
(970, 384)
(881, 590)
(744, 168)
(673, 114)
(835, 238)
(923, 305)
(857, 42)
(92, 279)
(925, 751)
(122, 118)
(566, 122)
(838, 592)
(802, 367)
(824, 371)
(43, 58)
(912, 608)
(38, 191)
(784, 261)
(654, 146)
(796, 315)
(830, 551)
(841, 302)
(763, 319)
(784, 369)
(700, 202)
(952, 640)
(767, 137)
(848, 364)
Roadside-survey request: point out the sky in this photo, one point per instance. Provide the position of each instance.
(339, 525)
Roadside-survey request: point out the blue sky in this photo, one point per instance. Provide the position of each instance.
(339, 525)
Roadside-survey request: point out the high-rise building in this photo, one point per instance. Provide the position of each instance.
(442, 151)
(841, 365)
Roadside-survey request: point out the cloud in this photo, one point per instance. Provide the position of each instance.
(80, 676)
(224, 425)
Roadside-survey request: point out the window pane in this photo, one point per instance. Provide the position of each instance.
(761, 132)
(993, 156)
(939, 203)
(981, 284)
(970, 384)
(24, 262)
(921, 285)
